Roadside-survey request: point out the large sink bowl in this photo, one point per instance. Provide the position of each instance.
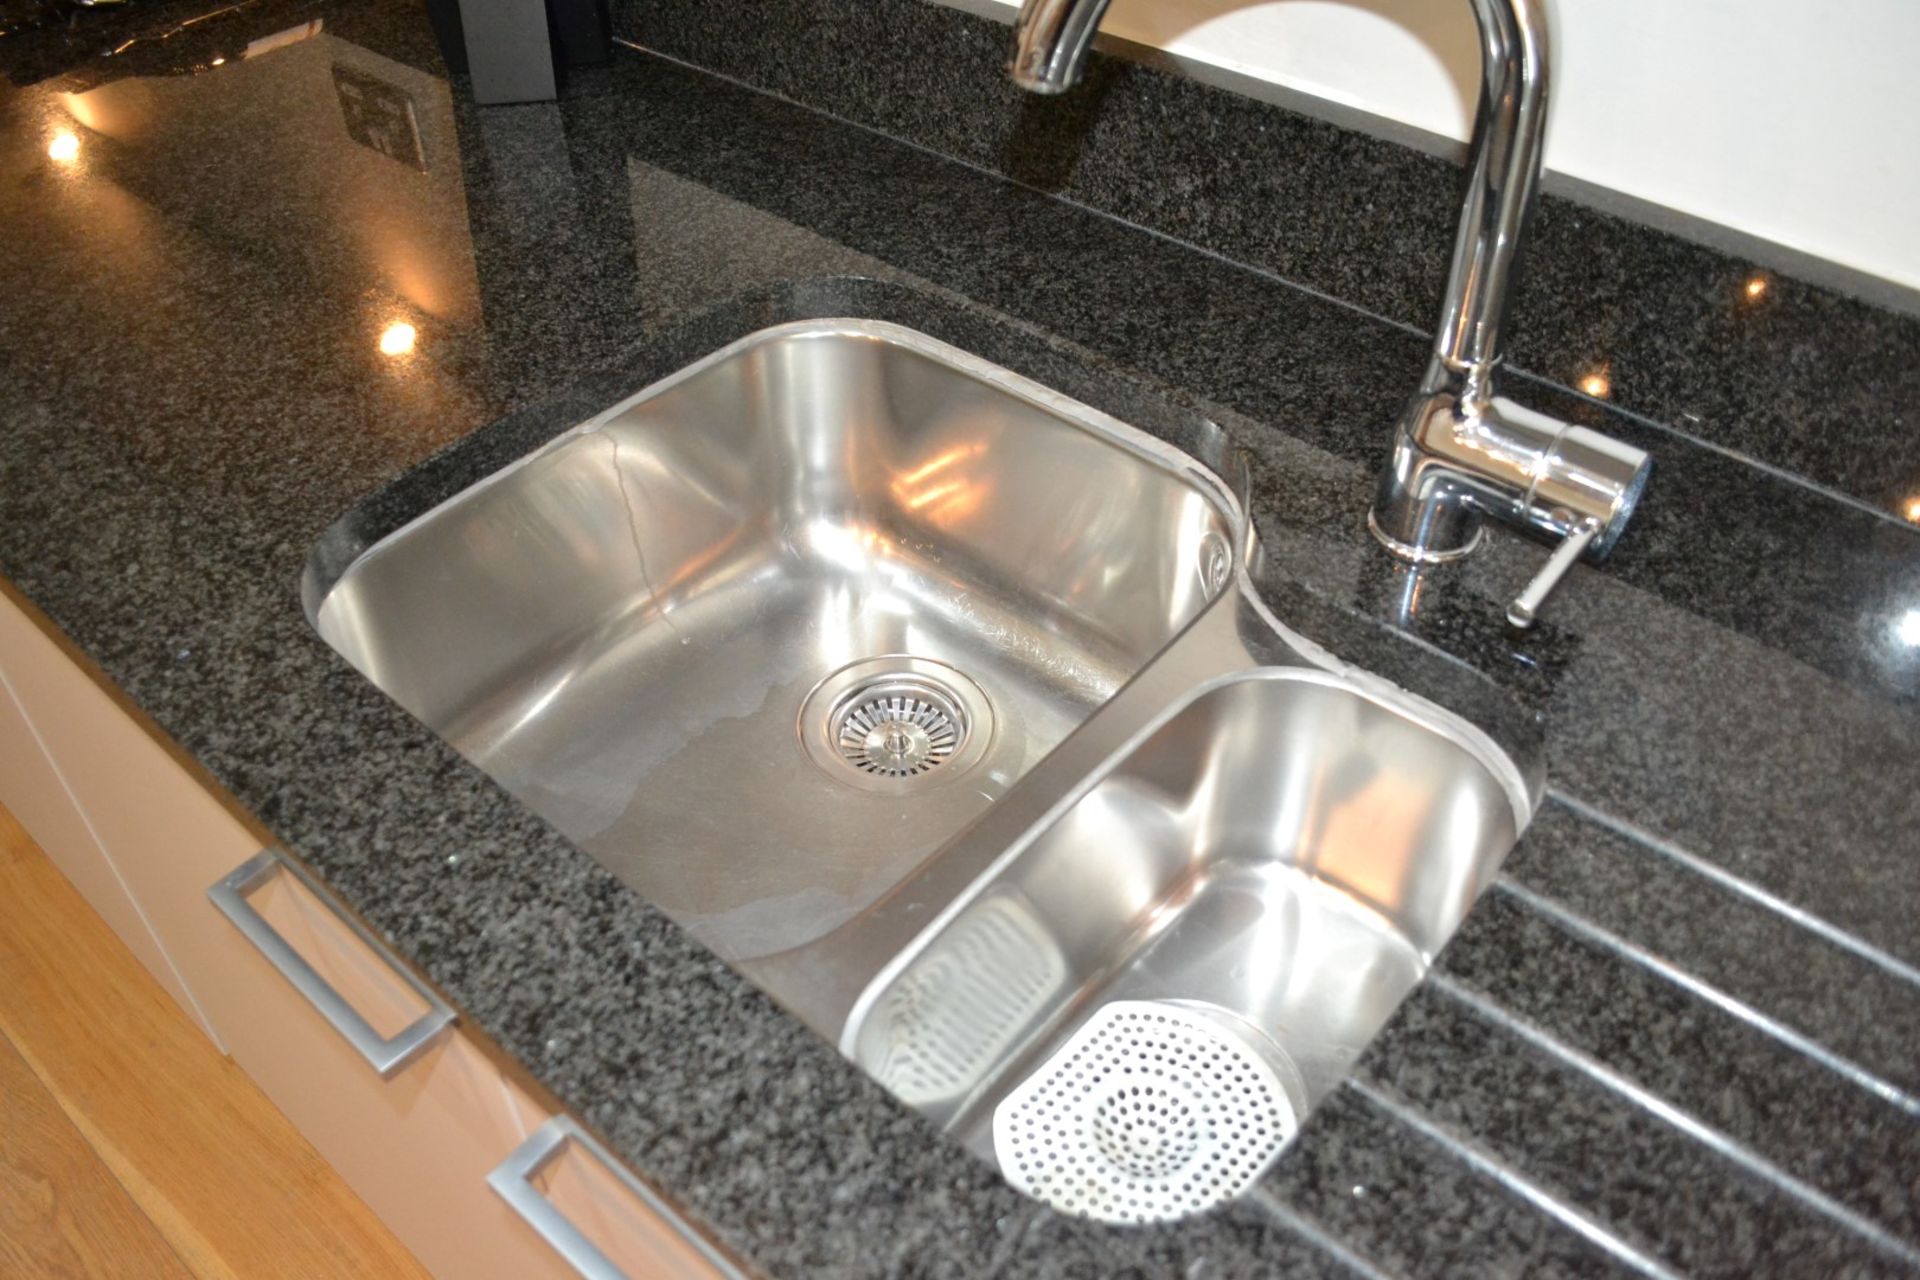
(767, 634)
(943, 708)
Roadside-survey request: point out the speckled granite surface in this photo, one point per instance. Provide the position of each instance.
(1800, 377)
(1676, 1038)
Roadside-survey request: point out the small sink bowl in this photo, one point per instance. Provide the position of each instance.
(764, 636)
(1283, 848)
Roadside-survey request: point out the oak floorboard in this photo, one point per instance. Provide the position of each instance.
(228, 1183)
(62, 1214)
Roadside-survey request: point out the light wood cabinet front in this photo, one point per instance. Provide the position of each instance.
(418, 1146)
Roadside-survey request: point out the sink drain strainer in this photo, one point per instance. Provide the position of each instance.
(1152, 1111)
(887, 723)
(898, 728)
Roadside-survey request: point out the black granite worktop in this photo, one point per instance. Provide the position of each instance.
(1679, 1034)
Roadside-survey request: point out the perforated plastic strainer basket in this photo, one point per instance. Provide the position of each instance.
(1152, 1111)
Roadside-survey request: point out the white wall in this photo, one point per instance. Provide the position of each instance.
(1795, 121)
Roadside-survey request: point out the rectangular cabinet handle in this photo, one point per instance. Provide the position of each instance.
(386, 1054)
(513, 1182)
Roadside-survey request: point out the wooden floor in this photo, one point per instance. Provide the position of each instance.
(129, 1145)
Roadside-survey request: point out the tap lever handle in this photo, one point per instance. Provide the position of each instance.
(1526, 606)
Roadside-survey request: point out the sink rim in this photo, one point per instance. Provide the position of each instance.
(1234, 639)
(1223, 652)
(1215, 469)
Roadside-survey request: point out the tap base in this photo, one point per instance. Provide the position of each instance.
(1424, 555)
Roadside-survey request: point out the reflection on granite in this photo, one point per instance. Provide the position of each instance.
(1802, 378)
(1675, 1035)
(75, 47)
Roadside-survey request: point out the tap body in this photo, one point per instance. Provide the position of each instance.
(1459, 453)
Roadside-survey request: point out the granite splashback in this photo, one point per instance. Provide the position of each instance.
(1675, 1038)
(1801, 378)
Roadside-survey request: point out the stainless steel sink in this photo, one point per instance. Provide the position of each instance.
(941, 706)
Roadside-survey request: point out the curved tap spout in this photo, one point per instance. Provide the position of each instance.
(1051, 39)
(1459, 455)
(1503, 173)
(1050, 43)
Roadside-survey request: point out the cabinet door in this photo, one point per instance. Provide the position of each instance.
(37, 687)
(416, 1147)
(448, 1117)
(591, 1209)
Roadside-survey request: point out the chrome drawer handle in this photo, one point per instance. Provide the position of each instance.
(513, 1182)
(386, 1054)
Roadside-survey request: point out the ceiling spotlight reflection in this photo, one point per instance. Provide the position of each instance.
(1907, 630)
(1913, 510)
(397, 338)
(1596, 385)
(65, 146)
(1756, 288)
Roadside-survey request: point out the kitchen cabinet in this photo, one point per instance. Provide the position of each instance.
(144, 839)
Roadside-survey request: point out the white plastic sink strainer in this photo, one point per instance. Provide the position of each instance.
(966, 1000)
(1153, 1110)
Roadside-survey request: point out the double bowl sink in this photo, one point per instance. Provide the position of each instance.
(942, 707)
